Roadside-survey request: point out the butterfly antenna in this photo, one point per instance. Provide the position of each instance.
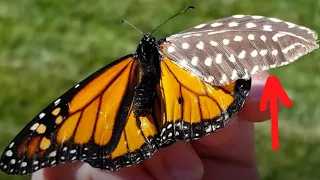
(189, 7)
(124, 21)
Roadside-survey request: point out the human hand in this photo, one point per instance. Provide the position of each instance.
(227, 154)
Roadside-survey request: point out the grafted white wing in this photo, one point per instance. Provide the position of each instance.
(237, 47)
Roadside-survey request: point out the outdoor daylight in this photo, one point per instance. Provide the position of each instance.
(48, 47)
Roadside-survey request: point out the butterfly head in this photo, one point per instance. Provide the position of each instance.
(147, 48)
(148, 39)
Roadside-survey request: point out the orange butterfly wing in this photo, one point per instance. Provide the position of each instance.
(93, 120)
(194, 109)
(138, 142)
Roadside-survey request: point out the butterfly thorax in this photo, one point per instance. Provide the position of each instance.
(148, 57)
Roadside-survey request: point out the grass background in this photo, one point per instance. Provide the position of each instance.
(47, 46)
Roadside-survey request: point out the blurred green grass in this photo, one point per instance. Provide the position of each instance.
(48, 46)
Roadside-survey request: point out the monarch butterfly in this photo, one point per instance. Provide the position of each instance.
(183, 87)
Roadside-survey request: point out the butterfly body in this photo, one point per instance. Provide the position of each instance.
(180, 88)
(147, 54)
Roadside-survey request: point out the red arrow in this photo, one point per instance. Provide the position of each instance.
(272, 90)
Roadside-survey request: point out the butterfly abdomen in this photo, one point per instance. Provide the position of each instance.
(144, 96)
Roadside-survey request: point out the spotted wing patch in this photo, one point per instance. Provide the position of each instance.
(237, 47)
(84, 123)
(194, 109)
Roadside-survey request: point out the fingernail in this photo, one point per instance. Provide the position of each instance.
(258, 82)
(261, 75)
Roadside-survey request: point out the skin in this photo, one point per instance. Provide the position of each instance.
(226, 154)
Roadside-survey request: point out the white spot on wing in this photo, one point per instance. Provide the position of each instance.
(216, 24)
(185, 46)
(264, 68)
(246, 75)
(219, 58)
(208, 61)
(53, 154)
(41, 115)
(251, 37)
(209, 79)
(226, 41)
(233, 24)
(238, 16)
(34, 126)
(194, 61)
(208, 129)
(200, 26)
(11, 144)
(254, 69)
(263, 52)
(9, 153)
(24, 164)
(237, 38)
(290, 25)
(257, 17)
(242, 54)
(254, 53)
(234, 75)
(13, 161)
(275, 20)
(274, 52)
(267, 28)
(183, 62)
(284, 63)
(232, 58)
(213, 43)
(58, 101)
(263, 38)
(200, 45)
(273, 66)
(171, 49)
(250, 25)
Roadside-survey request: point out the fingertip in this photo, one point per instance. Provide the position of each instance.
(137, 172)
(178, 161)
(251, 109)
(58, 172)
